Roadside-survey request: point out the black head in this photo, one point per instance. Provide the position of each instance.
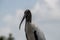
(27, 16)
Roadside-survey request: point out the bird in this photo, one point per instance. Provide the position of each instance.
(31, 31)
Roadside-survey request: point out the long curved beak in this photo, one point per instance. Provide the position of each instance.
(22, 21)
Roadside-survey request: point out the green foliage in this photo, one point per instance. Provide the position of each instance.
(2, 38)
(9, 38)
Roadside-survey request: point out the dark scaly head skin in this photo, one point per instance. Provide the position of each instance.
(28, 15)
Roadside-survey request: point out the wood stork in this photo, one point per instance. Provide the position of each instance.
(32, 32)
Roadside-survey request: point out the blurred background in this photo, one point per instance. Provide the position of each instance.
(45, 13)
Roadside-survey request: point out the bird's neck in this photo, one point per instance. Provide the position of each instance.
(29, 19)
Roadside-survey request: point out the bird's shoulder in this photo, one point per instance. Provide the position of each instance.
(38, 31)
(33, 26)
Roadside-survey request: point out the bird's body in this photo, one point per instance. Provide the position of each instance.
(31, 31)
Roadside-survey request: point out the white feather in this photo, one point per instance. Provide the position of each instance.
(30, 28)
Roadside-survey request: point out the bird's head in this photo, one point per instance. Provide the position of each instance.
(27, 16)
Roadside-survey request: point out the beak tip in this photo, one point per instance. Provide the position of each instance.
(19, 28)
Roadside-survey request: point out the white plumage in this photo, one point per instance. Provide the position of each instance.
(31, 31)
